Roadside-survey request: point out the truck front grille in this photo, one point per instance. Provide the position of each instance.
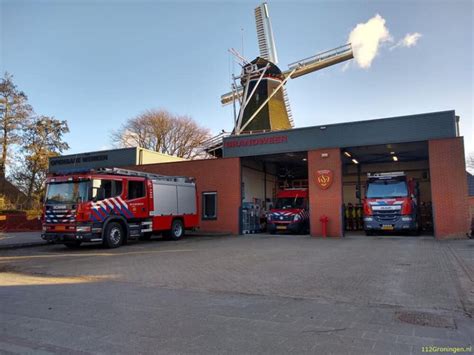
(63, 215)
(386, 216)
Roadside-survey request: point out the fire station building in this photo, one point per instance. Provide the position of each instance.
(252, 168)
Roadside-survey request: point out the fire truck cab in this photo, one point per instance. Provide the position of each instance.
(115, 205)
(391, 203)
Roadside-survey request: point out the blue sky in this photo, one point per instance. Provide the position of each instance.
(98, 63)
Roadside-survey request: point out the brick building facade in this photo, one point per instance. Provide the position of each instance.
(428, 147)
(323, 147)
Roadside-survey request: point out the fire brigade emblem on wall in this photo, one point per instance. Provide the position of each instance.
(324, 178)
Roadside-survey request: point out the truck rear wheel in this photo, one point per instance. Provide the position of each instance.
(114, 235)
(177, 230)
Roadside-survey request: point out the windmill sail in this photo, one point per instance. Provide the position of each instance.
(264, 104)
(320, 61)
(288, 107)
(266, 43)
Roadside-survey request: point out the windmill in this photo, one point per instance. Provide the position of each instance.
(261, 92)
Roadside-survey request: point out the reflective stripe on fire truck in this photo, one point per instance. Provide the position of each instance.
(303, 214)
(102, 209)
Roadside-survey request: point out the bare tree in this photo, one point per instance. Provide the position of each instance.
(14, 114)
(163, 132)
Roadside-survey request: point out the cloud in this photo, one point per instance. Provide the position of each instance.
(410, 40)
(366, 39)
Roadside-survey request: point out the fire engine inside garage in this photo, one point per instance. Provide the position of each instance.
(397, 175)
(275, 193)
(387, 188)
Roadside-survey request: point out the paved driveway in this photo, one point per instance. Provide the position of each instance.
(240, 294)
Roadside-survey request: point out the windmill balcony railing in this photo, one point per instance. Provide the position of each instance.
(257, 131)
(215, 141)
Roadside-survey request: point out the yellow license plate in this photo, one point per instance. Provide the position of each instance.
(387, 227)
(60, 228)
(281, 227)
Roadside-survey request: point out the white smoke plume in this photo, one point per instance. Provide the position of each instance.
(366, 39)
(410, 40)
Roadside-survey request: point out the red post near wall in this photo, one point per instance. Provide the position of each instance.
(325, 200)
(449, 188)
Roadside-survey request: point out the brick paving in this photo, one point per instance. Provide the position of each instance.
(250, 294)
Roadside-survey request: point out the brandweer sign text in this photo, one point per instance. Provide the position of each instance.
(255, 141)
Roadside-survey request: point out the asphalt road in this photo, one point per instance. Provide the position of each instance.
(247, 294)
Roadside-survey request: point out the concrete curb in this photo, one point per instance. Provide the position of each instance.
(23, 245)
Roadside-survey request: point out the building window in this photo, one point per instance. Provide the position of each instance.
(209, 205)
(136, 189)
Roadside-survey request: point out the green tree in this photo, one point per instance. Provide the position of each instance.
(15, 113)
(42, 139)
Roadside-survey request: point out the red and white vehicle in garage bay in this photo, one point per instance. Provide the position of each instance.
(392, 203)
(115, 205)
(290, 213)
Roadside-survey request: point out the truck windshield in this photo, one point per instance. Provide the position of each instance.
(387, 189)
(290, 202)
(67, 192)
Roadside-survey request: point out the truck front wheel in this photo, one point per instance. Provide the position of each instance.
(177, 229)
(114, 235)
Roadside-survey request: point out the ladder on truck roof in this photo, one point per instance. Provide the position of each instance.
(119, 171)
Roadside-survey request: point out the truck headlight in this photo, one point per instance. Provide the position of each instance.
(83, 229)
(406, 218)
(368, 219)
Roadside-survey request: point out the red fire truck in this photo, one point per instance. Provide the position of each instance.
(290, 213)
(391, 203)
(115, 205)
